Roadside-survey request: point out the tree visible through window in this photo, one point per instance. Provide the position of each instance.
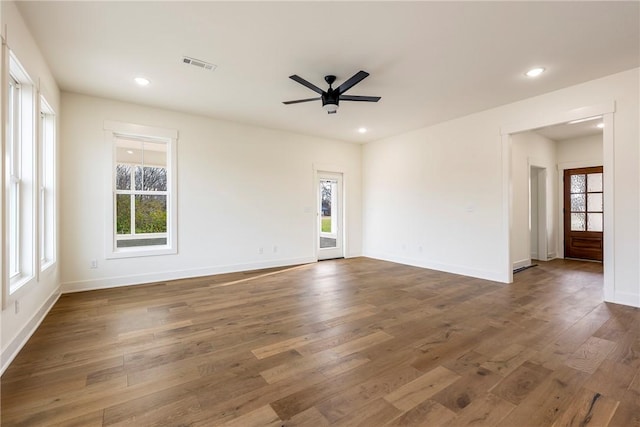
(141, 195)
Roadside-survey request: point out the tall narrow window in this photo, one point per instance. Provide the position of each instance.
(47, 185)
(141, 193)
(142, 221)
(13, 170)
(20, 176)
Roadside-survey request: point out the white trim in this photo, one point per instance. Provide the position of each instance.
(27, 175)
(625, 298)
(542, 233)
(606, 110)
(337, 213)
(329, 168)
(495, 276)
(140, 279)
(49, 258)
(608, 165)
(4, 232)
(507, 212)
(20, 339)
(554, 118)
(113, 130)
(140, 131)
(521, 263)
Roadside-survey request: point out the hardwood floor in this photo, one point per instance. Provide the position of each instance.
(346, 343)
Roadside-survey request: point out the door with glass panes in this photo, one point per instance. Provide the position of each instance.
(330, 216)
(583, 213)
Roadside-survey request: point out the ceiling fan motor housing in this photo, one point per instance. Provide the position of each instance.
(331, 96)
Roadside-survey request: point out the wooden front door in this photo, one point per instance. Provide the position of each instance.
(583, 213)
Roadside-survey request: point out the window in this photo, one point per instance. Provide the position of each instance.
(141, 193)
(47, 185)
(143, 217)
(20, 174)
(586, 201)
(13, 169)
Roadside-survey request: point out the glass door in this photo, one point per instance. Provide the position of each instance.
(330, 216)
(583, 213)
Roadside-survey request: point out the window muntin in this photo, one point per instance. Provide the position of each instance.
(586, 202)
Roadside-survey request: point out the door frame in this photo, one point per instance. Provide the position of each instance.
(541, 224)
(607, 111)
(318, 171)
(561, 168)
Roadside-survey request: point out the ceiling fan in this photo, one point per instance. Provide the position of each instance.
(332, 97)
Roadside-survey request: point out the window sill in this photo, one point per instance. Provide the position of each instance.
(47, 265)
(18, 286)
(134, 252)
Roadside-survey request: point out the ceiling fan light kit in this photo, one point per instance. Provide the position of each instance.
(331, 97)
(331, 108)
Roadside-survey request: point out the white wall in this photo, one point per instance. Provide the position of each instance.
(37, 297)
(531, 149)
(440, 187)
(239, 188)
(587, 150)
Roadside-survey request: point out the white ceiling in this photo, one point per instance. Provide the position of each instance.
(429, 61)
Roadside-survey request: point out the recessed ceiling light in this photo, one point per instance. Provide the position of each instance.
(362, 130)
(142, 81)
(600, 125)
(535, 72)
(129, 151)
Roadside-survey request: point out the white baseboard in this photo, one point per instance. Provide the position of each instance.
(521, 263)
(625, 298)
(21, 338)
(138, 279)
(447, 268)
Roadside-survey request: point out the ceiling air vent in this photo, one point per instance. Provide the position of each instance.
(198, 63)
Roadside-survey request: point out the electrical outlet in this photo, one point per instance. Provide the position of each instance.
(260, 250)
(94, 263)
(17, 306)
(275, 249)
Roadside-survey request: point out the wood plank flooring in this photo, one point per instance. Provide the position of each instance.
(355, 342)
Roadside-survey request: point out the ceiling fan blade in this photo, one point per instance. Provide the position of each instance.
(297, 101)
(306, 83)
(357, 78)
(359, 98)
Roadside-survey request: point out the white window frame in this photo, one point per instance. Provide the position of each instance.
(13, 179)
(114, 130)
(20, 181)
(133, 192)
(47, 186)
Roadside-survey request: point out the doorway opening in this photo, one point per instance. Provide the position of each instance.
(330, 229)
(538, 213)
(601, 114)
